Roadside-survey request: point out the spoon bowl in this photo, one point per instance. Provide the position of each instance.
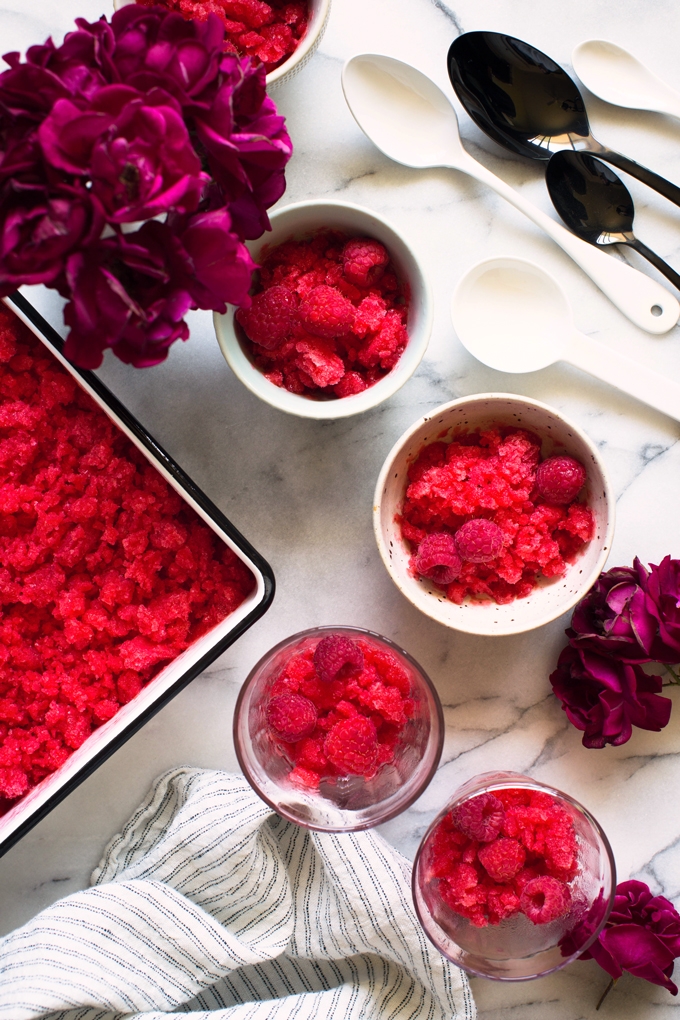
(618, 77)
(514, 317)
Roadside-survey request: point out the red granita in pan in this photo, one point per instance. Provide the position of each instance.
(269, 32)
(361, 695)
(106, 574)
(486, 498)
(501, 854)
(329, 317)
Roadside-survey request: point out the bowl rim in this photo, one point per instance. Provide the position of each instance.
(503, 780)
(430, 607)
(307, 45)
(342, 407)
(399, 808)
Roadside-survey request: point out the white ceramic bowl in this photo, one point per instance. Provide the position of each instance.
(319, 13)
(552, 597)
(304, 218)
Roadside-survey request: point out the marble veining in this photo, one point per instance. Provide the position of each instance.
(301, 490)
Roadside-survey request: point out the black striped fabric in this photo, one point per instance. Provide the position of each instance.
(209, 904)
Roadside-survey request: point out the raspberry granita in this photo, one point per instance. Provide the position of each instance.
(106, 574)
(486, 517)
(269, 31)
(328, 317)
(507, 852)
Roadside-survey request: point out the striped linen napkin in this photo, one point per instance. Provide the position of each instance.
(210, 904)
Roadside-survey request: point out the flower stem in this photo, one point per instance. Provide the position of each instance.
(674, 675)
(606, 992)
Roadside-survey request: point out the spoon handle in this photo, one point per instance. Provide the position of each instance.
(641, 173)
(656, 261)
(633, 293)
(626, 375)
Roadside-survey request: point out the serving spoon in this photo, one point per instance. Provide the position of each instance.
(597, 205)
(410, 119)
(529, 104)
(513, 316)
(618, 77)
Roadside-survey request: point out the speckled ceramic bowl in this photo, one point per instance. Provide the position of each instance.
(319, 13)
(552, 597)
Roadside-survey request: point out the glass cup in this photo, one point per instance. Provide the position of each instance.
(342, 803)
(516, 949)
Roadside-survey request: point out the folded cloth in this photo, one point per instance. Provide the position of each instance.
(208, 903)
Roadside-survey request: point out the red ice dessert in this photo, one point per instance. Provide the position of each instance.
(106, 575)
(269, 31)
(486, 518)
(500, 854)
(329, 317)
(338, 707)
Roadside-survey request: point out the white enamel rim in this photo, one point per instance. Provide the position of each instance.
(316, 26)
(166, 678)
(551, 599)
(303, 218)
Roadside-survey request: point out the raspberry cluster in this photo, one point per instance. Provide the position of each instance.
(105, 573)
(487, 517)
(270, 31)
(503, 853)
(338, 707)
(329, 319)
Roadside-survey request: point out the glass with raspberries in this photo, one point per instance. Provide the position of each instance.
(513, 879)
(338, 729)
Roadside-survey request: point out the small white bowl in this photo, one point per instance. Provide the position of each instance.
(316, 26)
(300, 220)
(552, 597)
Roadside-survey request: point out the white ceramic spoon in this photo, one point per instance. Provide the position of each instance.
(410, 119)
(618, 77)
(513, 316)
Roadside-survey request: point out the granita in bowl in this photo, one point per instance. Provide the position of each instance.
(341, 312)
(493, 514)
(513, 879)
(338, 729)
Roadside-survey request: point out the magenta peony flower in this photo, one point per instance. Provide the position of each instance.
(663, 601)
(606, 697)
(642, 936)
(613, 618)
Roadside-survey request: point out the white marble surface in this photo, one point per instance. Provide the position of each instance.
(301, 491)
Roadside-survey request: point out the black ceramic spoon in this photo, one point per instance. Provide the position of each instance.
(597, 205)
(529, 104)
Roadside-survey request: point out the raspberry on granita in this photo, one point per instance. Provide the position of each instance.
(325, 312)
(335, 652)
(364, 261)
(480, 817)
(270, 318)
(502, 858)
(479, 541)
(437, 558)
(544, 899)
(560, 479)
(291, 716)
(352, 746)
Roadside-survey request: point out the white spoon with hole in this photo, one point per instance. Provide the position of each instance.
(619, 78)
(513, 316)
(410, 119)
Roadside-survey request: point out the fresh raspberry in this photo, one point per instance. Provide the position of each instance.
(270, 318)
(437, 558)
(479, 541)
(364, 261)
(480, 817)
(502, 859)
(352, 746)
(332, 653)
(544, 899)
(326, 313)
(321, 364)
(291, 717)
(560, 479)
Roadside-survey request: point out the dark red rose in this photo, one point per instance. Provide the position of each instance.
(663, 601)
(613, 618)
